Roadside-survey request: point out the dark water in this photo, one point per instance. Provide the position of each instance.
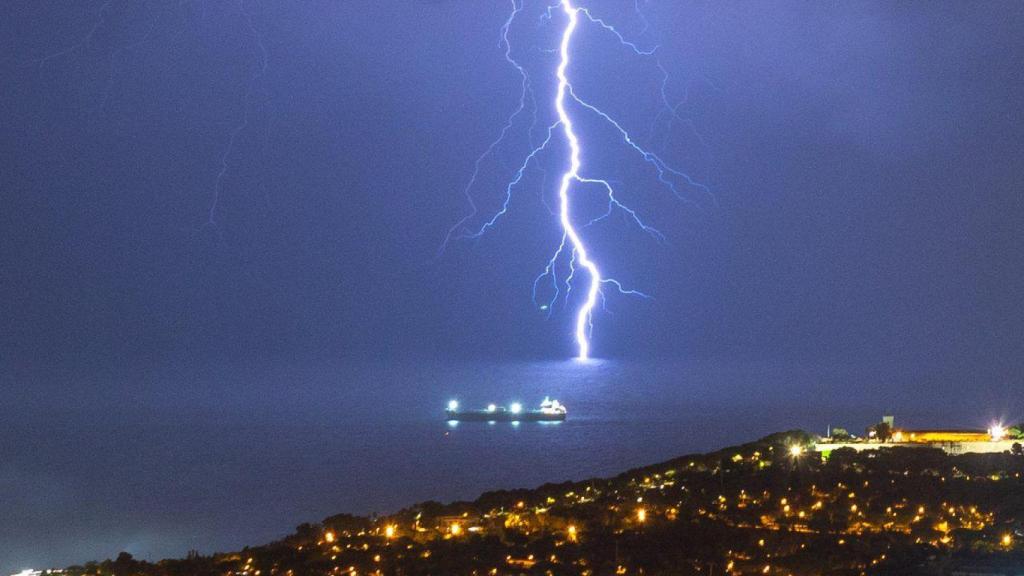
(167, 460)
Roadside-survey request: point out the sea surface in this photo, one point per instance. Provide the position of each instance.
(161, 461)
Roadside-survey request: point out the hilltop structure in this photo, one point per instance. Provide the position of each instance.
(996, 439)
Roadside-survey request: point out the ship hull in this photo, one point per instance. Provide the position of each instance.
(502, 416)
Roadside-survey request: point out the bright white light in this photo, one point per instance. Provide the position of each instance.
(453, 405)
(549, 406)
(516, 408)
(997, 432)
(574, 173)
(796, 450)
(491, 407)
(571, 175)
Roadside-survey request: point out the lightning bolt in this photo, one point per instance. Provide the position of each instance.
(105, 14)
(258, 73)
(584, 315)
(572, 247)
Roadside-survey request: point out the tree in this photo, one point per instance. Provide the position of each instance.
(1017, 449)
(124, 565)
(840, 434)
(883, 431)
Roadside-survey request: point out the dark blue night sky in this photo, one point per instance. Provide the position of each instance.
(864, 161)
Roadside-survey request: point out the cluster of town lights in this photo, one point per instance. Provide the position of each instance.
(777, 512)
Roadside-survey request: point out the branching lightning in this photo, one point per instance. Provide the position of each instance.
(109, 10)
(572, 246)
(573, 274)
(243, 123)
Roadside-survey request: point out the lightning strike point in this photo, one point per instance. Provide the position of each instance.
(572, 253)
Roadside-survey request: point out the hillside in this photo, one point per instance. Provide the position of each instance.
(766, 507)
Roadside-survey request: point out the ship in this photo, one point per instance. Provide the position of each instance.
(549, 411)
